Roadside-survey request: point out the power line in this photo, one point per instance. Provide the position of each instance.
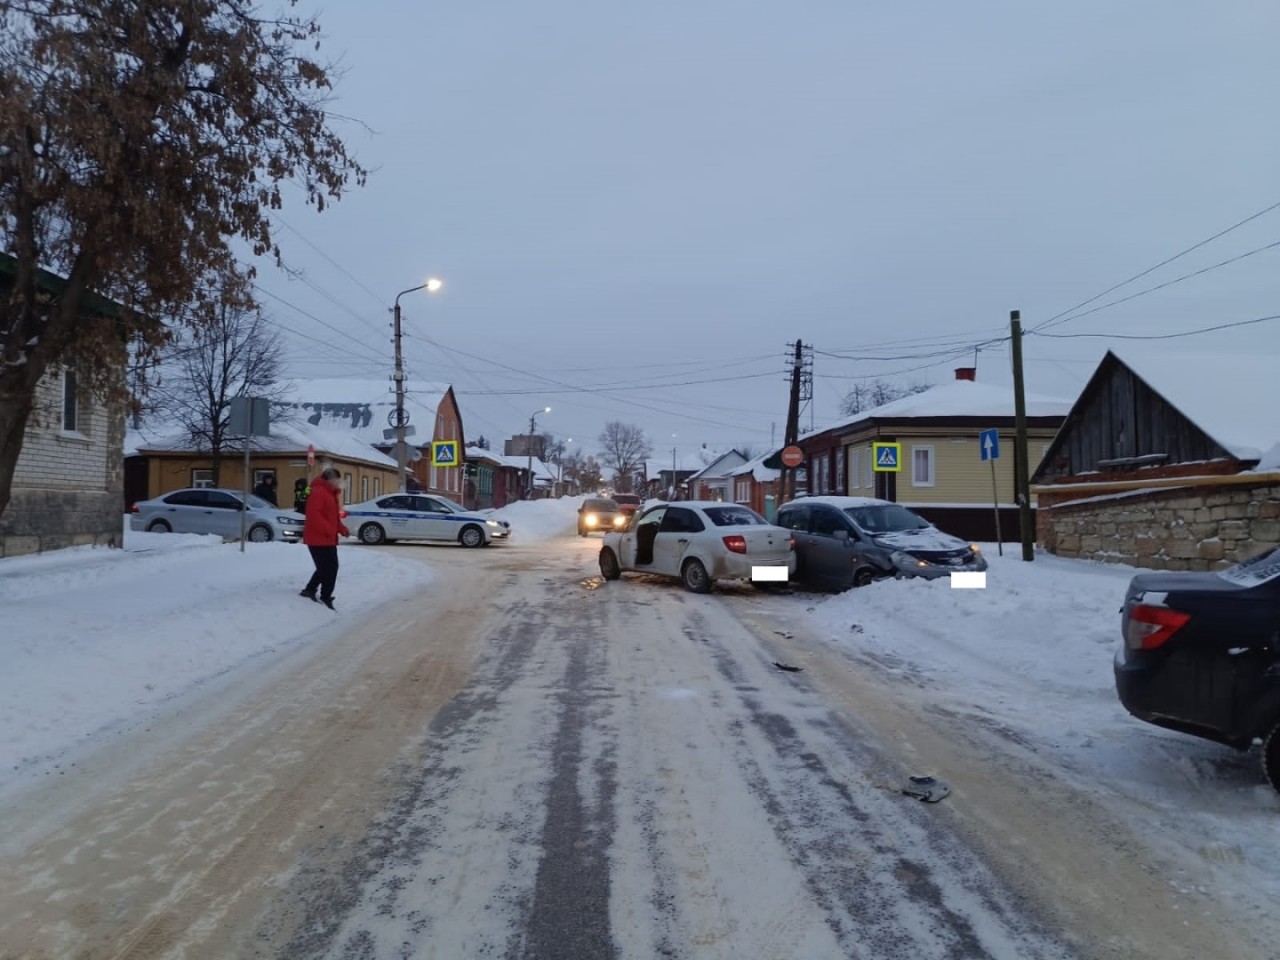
(1167, 283)
(324, 323)
(1159, 336)
(1139, 276)
(339, 267)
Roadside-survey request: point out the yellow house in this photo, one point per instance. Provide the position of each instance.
(156, 465)
(941, 475)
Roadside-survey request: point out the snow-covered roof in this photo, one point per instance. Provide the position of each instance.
(285, 438)
(720, 466)
(961, 398)
(361, 407)
(480, 453)
(1228, 396)
(843, 502)
(755, 466)
(540, 470)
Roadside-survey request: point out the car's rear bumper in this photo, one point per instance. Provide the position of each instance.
(1155, 694)
(738, 567)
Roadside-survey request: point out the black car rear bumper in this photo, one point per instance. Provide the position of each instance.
(1155, 694)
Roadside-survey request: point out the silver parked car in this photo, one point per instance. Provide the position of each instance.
(699, 541)
(844, 542)
(216, 510)
(417, 516)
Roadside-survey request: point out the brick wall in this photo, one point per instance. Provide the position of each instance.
(68, 488)
(1187, 528)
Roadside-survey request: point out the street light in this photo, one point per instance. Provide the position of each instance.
(529, 449)
(400, 419)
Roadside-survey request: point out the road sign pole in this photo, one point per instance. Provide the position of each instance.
(995, 502)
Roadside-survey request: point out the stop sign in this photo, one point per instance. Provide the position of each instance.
(792, 456)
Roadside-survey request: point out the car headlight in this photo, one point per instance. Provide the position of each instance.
(592, 519)
(975, 548)
(289, 521)
(619, 521)
(493, 523)
(906, 560)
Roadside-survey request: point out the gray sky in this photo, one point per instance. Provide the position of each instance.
(662, 192)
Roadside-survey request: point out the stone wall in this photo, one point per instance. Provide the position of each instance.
(1183, 528)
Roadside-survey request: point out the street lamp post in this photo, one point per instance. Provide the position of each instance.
(529, 449)
(400, 419)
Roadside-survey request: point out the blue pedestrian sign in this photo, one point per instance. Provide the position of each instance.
(444, 453)
(886, 457)
(989, 444)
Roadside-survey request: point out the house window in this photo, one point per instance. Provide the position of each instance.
(868, 471)
(840, 458)
(922, 466)
(202, 478)
(70, 400)
(377, 486)
(364, 488)
(346, 488)
(855, 468)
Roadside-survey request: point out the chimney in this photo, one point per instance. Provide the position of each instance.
(966, 373)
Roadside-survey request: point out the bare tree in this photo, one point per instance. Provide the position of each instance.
(583, 471)
(140, 141)
(876, 393)
(623, 449)
(237, 355)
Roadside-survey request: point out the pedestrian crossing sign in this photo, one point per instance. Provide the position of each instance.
(444, 453)
(886, 457)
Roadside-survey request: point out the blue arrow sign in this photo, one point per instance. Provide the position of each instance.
(989, 443)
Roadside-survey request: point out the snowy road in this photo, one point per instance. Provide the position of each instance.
(521, 761)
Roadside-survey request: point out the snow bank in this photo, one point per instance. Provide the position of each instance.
(534, 520)
(94, 638)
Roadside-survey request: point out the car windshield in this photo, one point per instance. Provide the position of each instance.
(890, 518)
(604, 505)
(735, 517)
(257, 503)
(1254, 571)
(630, 499)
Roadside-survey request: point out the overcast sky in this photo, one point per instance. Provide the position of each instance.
(619, 196)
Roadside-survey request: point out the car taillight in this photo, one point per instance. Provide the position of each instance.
(736, 544)
(342, 514)
(134, 509)
(791, 542)
(1151, 627)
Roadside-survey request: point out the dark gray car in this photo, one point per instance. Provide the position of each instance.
(844, 542)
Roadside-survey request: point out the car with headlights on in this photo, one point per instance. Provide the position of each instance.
(844, 542)
(217, 511)
(1201, 654)
(599, 515)
(697, 541)
(417, 516)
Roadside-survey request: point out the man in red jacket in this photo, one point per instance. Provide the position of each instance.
(320, 534)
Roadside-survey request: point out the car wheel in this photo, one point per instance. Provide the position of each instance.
(863, 577)
(695, 577)
(609, 567)
(1271, 757)
(159, 526)
(261, 533)
(471, 536)
(373, 534)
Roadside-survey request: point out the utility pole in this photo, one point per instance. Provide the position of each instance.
(529, 451)
(400, 417)
(792, 433)
(1022, 476)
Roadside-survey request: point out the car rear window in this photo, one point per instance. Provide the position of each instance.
(630, 499)
(735, 517)
(601, 505)
(1254, 571)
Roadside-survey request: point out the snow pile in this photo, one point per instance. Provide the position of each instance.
(95, 638)
(534, 520)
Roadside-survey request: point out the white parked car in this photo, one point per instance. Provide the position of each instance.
(699, 541)
(419, 516)
(216, 511)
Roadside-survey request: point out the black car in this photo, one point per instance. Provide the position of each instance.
(1201, 654)
(598, 515)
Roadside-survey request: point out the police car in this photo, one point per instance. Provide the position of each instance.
(416, 516)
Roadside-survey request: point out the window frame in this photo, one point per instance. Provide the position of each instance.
(931, 457)
(70, 400)
(201, 483)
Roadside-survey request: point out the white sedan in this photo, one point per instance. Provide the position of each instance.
(699, 541)
(416, 516)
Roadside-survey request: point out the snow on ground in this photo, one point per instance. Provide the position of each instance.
(1030, 658)
(534, 520)
(94, 639)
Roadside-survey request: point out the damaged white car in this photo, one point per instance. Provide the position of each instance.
(698, 541)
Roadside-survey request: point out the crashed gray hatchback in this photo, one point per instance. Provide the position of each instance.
(844, 542)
